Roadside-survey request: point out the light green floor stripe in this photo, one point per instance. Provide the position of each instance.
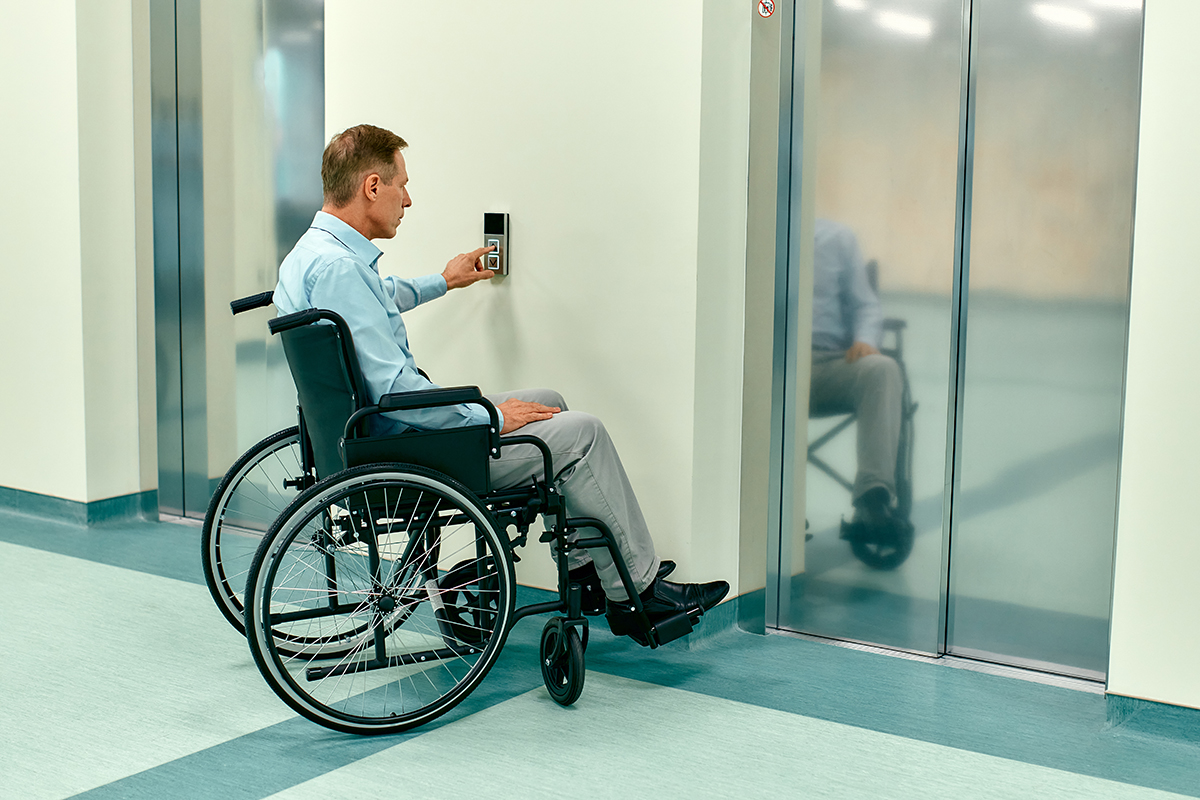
(107, 672)
(680, 744)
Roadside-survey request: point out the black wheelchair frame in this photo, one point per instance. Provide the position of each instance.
(361, 556)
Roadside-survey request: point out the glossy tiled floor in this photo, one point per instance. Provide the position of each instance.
(121, 680)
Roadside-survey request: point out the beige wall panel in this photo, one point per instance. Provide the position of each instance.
(107, 216)
(144, 248)
(721, 293)
(582, 121)
(1155, 630)
(42, 394)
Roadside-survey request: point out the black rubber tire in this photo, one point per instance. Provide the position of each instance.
(249, 498)
(562, 660)
(889, 555)
(356, 533)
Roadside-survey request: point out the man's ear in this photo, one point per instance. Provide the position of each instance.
(371, 186)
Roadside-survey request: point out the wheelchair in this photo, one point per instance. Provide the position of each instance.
(383, 593)
(262, 482)
(882, 550)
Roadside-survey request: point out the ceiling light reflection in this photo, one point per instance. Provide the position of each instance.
(1119, 5)
(905, 24)
(1064, 17)
(851, 5)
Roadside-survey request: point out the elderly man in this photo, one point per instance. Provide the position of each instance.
(334, 266)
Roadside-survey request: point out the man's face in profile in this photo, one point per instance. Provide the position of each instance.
(390, 202)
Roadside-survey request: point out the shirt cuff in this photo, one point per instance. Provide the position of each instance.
(429, 287)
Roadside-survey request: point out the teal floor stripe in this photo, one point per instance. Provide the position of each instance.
(628, 739)
(158, 548)
(1003, 717)
(270, 760)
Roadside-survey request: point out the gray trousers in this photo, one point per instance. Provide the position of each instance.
(871, 387)
(592, 481)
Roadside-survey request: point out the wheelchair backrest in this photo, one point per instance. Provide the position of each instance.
(328, 384)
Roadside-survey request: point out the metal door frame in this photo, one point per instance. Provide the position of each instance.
(178, 200)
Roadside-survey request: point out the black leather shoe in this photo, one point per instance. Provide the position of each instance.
(662, 601)
(873, 521)
(874, 508)
(592, 595)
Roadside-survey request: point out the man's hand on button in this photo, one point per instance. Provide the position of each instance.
(465, 269)
(519, 413)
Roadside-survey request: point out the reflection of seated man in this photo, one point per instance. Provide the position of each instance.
(849, 372)
(334, 266)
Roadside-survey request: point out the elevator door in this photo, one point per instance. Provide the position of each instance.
(1054, 102)
(973, 165)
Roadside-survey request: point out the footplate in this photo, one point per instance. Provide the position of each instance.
(657, 634)
(674, 627)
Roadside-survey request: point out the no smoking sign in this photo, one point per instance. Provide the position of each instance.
(766, 8)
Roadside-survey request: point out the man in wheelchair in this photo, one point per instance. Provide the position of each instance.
(334, 267)
(850, 375)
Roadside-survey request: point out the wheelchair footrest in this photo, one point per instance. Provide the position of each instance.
(656, 634)
(888, 534)
(674, 627)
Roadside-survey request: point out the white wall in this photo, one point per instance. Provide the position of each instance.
(585, 122)
(108, 246)
(69, 406)
(1155, 625)
(42, 300)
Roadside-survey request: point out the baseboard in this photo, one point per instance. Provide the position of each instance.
(140, 505)
(1148, 718)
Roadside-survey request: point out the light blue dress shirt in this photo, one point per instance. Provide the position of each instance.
(845, 307)
(334, 267)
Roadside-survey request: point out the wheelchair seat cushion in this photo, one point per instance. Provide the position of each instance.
(461, 453)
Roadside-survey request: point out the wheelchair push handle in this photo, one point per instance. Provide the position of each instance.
(298, 320)
(253, 301)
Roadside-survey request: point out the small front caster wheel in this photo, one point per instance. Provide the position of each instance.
(562, 661)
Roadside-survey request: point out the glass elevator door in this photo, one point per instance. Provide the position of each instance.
(968, 166)
(1054, 102)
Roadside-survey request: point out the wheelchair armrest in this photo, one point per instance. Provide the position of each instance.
(429, 398)
(253, 301)
(893, 324)
(451, 396)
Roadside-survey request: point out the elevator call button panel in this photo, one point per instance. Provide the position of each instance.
(495, 234)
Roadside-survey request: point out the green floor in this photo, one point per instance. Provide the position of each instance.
(122, 680)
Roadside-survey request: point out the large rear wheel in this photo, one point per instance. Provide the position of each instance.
(253, 493)
(379, 599)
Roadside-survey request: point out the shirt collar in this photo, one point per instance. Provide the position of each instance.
(354, 241)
